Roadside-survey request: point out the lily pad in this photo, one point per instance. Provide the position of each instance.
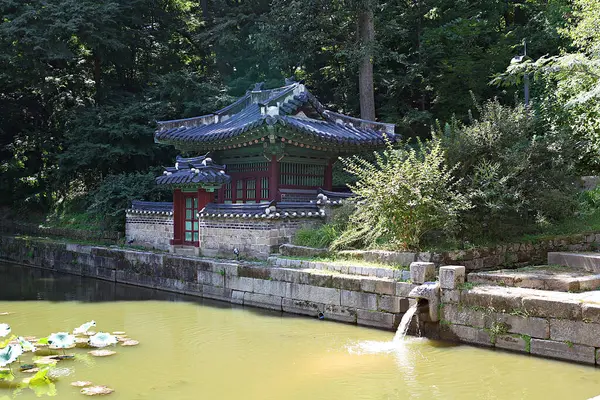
(57, 373)
(48, 360)
(61, 357)
(5, 313)
(4, 330)
(53, 347)
(9, 354)
(96, 390)
(81, 383)
(130, 342)
(30, 370)
(61, 340)
(102, 339)
(118, 333)
(24, 367)
(102, 353)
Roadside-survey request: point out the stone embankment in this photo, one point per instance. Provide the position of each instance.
(475, 259)
(543, 323)
(551, 324)
(363, 300)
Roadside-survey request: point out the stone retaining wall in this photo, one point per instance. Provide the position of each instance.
(25, 228)
(486, 258)
(253, 238)
(558, 325)
(369, 301)
(153, 231)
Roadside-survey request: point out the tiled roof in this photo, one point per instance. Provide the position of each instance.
(270, 210)
(280, 106)
(151, 207)
(194, 171)
(335, 198)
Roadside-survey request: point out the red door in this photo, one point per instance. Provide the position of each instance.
(190, 227)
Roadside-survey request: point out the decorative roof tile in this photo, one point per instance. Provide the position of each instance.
(199, 171)
(276, 106)
(270, 210)
(151, 207)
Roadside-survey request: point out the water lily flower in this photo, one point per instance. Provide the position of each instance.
(61, 340)
(102, 339)
(4, 330)
(27, 346)
(84, 328)
(9, 354)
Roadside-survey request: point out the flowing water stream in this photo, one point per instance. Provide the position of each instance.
(193, 349)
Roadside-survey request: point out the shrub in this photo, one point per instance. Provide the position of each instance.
(403, 195)
(517, 174)
(114, 196)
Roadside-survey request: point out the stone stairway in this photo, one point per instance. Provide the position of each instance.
(565, 272)
(588, 261)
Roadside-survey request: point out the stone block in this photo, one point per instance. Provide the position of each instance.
(403, 289)
(273, 288)
(421, 272)
(588, 261)
(455, 314)
(241, 284)
(591, 312)
(452, 276)
(450, 296)
(553, 307)
(285, 275)
(237, 297)
(263, 301)
(575, 332)
(216, 293)
(466, 334)
(530, 326)
(379, 286)
(133, 278)
(494, 298)
(563, 351)
(302, 307)
(367, 301)
(316, 294)
(346, 282)
(375, 318)
(392, 304)
(340, 313)
(512, 342)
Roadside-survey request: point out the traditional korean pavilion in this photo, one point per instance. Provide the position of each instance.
(270, 148)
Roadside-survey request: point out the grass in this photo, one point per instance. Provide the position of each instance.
(349, 262)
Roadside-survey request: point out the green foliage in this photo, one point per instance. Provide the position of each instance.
(517, 175)
(405, 194)
(319, 237)
(114, 196)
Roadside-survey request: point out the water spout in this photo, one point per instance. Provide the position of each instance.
(429, 291)
(404, 323)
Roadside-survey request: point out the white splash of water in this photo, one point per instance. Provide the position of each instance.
(396, 346)
(404, 322)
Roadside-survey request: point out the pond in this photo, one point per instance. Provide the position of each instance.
(191, 349)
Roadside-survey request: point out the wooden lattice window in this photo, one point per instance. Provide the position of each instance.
(227, 194)
(191, 231)
(311, 175)
(264, 188)
(239, 191)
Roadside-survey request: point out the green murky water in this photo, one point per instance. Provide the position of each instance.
(192, 349)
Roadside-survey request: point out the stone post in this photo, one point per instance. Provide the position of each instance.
(421, 272)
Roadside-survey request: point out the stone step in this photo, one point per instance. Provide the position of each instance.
(588, 261)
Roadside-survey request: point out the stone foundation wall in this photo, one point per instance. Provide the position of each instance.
(153, 231)
(359, 300)
(558, 325)
(486, 258)
(253, 238)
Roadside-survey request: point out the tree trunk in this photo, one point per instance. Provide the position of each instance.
(366, 37)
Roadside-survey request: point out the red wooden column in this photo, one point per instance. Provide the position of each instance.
(274, 179)
(178, 217)
(328, 182)
(204, 198)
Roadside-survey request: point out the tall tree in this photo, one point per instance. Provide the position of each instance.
(366, 37)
